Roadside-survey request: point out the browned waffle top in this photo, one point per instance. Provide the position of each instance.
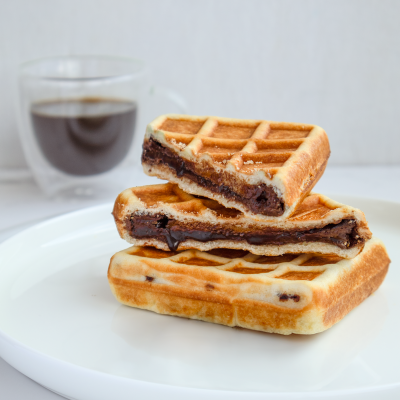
(304, 293)
(262, 168)
(249, 145)
(245, 262)
(170, 198)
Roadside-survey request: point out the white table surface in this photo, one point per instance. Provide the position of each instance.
(22, 205)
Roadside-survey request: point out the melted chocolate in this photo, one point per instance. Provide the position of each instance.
(261, 199)
(343, 234)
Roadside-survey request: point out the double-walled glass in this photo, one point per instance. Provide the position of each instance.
(82, 121)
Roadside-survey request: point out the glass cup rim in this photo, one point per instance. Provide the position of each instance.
(25, 68)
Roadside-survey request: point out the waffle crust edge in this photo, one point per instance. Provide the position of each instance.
(209, 295)
(292, 181)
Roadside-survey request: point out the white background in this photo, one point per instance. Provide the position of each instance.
(335, 63)
(331, 63)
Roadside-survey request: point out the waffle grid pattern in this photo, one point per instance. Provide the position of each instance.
(304, 267)
(248, 145)
(313, 208)
(287, 294)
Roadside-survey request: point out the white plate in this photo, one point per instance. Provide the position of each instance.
(61, 326)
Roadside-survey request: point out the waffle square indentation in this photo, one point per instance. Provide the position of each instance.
(300, 275)
(257, 161)
(154, 195)
(268, 146)
(221, 210)
(152, 252)
(179, 141)
(214, 146)
(181, 126)
(228, 131)
(311, 209)
(321, 260)
(221, 150)
(284, 130)
(201, 262)
(246, 270)
(286, 134)
(276, 259)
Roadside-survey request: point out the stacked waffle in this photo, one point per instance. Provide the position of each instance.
(236, 237)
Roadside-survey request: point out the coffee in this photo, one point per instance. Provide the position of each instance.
(85, 136)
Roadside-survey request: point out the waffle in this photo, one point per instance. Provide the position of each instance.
(287, 294)
(259, 167)
(166, 217)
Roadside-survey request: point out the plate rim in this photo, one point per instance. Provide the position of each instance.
(156, 386)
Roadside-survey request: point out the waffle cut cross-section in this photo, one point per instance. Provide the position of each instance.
(262, 168)
(286, 294)
(168, 218)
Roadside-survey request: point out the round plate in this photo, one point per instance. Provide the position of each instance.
(61, 326)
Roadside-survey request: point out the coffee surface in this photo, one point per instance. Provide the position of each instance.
(84, 136)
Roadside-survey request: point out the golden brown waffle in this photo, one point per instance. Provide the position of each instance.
(166, 217)
(288, 294)
(262, 168)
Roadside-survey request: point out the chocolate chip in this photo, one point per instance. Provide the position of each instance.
(149, 279)
(283, 297)
(295, 298)
(286, 297)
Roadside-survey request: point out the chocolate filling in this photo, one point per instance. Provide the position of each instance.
(261, 199)
(343, 234)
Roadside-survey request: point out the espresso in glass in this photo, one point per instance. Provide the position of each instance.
(85, 136)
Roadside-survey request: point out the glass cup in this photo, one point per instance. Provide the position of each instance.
(82, 121)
